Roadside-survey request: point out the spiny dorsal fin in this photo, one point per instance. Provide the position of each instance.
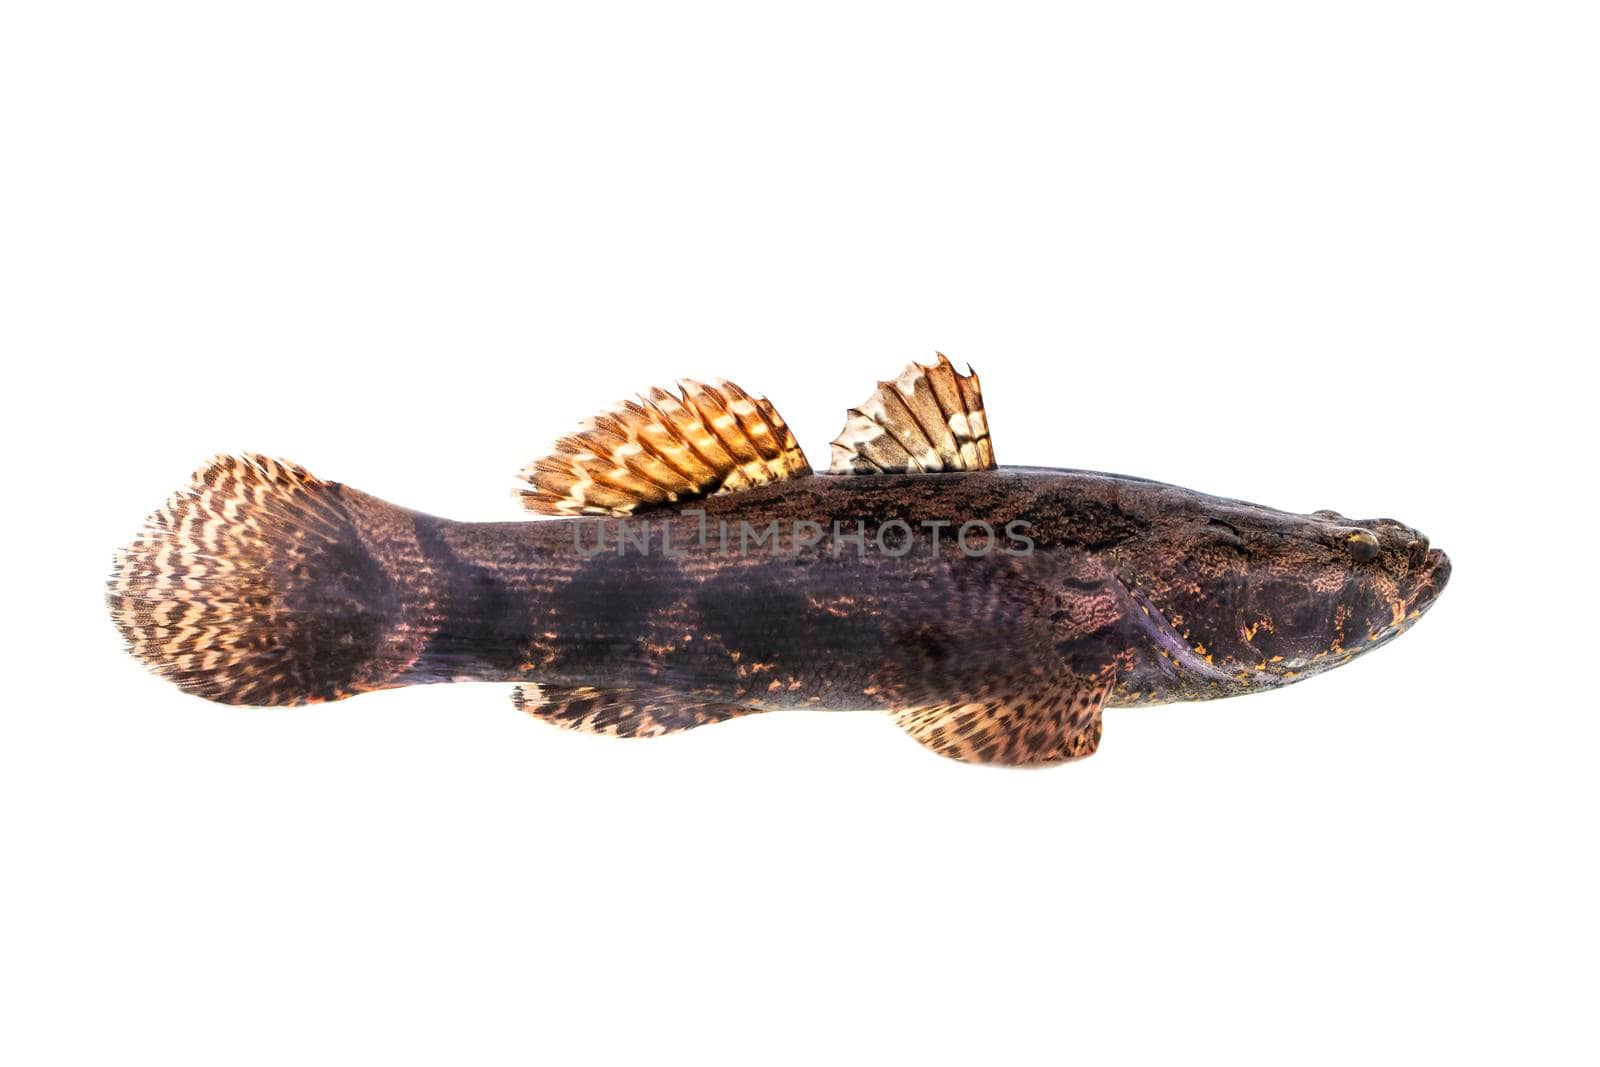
(929, 419)
(662, 448)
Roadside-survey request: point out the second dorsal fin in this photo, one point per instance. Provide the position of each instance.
(661, 448)
(928, 419)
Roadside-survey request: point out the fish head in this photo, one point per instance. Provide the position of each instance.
(1248, 597)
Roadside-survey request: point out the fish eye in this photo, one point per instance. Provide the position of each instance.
(1362, 544)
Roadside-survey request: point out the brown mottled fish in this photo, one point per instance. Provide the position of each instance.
(700, 570)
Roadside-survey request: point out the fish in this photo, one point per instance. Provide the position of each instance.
(691, 567)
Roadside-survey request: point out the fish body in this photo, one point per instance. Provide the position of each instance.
(993, 611)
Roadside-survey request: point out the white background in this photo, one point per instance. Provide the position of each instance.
(1316, 256)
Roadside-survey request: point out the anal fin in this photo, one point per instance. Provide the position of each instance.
(621, 712)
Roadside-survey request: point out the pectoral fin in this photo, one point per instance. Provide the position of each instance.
(662, 448)
(1059, 724)
(620, 712)
(928, 419)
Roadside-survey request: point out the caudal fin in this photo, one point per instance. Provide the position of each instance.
(262, 584)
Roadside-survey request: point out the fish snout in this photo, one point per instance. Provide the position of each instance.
(1431, 581)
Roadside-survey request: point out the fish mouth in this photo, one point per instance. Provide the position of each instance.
(1433, 572)
(1430, 583)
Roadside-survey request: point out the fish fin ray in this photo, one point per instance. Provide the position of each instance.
(664, 448)
(1059, 724)
(929, 419)
(621, 712)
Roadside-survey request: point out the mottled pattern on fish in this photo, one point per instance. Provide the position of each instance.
(261, 584)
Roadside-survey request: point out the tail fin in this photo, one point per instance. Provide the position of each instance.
(258, 584)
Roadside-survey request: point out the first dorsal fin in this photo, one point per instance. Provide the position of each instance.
(661, 448)
(928, 419)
